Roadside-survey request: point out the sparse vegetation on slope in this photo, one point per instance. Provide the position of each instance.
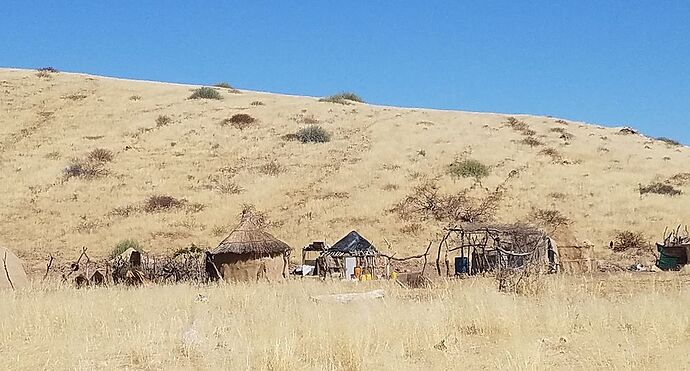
(343, 98)
(206, 93)
(313, 134)
(469, 168)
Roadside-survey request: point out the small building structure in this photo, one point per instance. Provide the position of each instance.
(349, 258)
(248, 254)
(570, 254)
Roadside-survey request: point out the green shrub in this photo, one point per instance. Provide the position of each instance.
(205, 93)
(343, 98)
(469, 169)
(313, 134)
(122, 246)
(223, 85)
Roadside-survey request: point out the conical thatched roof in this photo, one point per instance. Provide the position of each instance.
(247, 238)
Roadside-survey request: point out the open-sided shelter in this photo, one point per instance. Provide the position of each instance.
(248, 254)
(351, 249)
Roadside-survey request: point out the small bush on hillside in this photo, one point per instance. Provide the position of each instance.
(101, 155)
(468, 169)
(135, 97)
(342, 98)
(532, 141)
(205, 93)
(163, 120)
(272, 168)
(517, 125)
(223, 85)
(79, 168)
(628, 240)
(669, 141)
(158, 203)
(313, 134)
(551, 152)
(257, 103)
(48, 69)
(660, 189)
(240, 121)
(122, 246)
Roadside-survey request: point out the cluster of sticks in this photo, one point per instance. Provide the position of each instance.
(184, 267)
(676, 237)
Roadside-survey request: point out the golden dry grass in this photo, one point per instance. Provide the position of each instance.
(376, 156)
(624, 321)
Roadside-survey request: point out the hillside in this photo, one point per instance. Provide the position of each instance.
(376, 156)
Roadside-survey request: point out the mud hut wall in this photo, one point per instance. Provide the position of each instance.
(576, 259)
(249, 267)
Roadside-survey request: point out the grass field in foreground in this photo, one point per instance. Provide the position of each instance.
(621, 321)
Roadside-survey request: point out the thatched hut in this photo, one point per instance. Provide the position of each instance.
(12, 275)
(248, 254)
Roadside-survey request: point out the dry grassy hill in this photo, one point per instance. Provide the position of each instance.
(376, 157)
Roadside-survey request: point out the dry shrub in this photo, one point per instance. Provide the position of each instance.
(100, 155)
(48, 69)
(559, 121)
(157, 203)
(135, 97)
(551, 152)
(532, 141)
(206, 93)
(518, 125)
(223, 184)
(669, 141)
(660, 189)
(548, 218)
(342, 98)
(257, 103)
(124, 211)
(224, 85)
(390, 187)
(313, 134)
(74, 97)
(163, 120)
(240, 121)
(468, 168)
(628, 240)
(272, 168)
(79, 168)
(427, 202)
(679, 179)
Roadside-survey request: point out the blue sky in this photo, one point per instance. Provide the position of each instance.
(605, 62)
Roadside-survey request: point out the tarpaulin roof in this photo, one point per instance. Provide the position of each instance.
(353, 244)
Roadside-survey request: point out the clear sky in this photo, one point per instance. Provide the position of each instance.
(607, 62)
